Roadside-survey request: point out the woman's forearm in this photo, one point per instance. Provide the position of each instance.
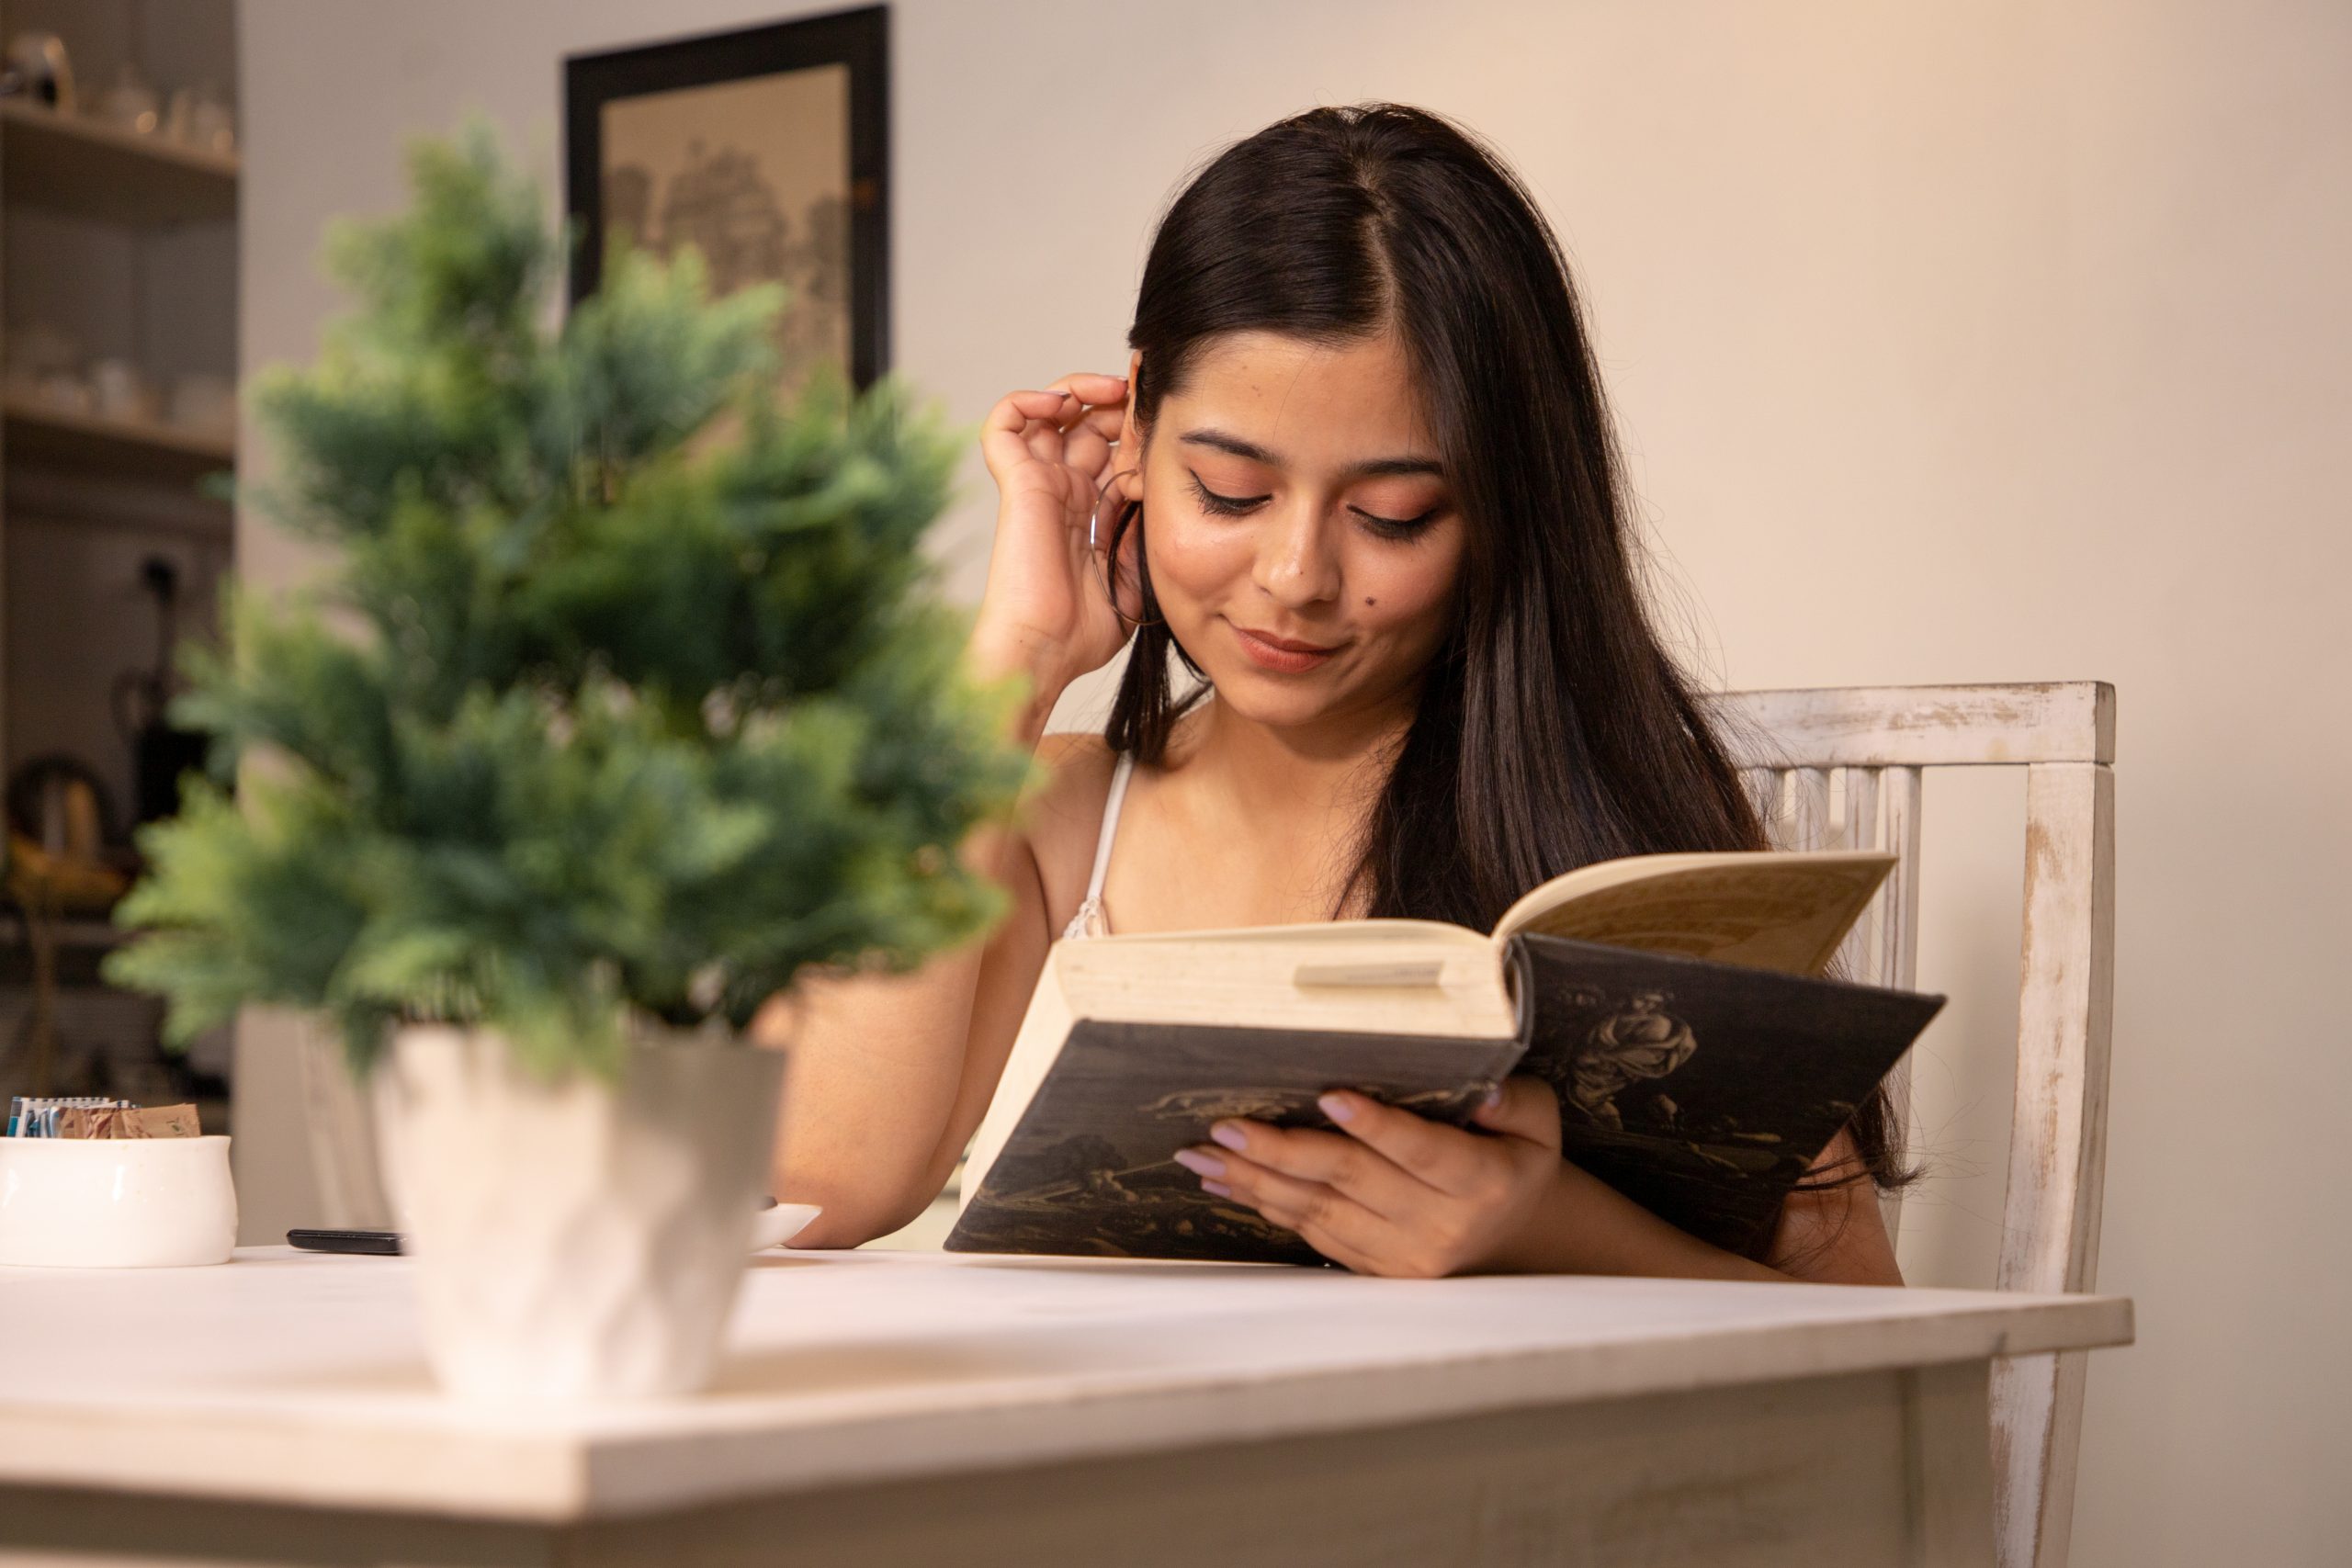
(1585, 1226)
(1828, 1235)
(1000, 652)
(885, 1079)
(886, 1071)
(871, 1071)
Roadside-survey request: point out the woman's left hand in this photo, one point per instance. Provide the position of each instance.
(1392, 1192)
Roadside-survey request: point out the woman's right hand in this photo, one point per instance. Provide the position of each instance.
(1046, 614)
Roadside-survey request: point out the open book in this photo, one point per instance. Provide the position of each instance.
(1674, 1002)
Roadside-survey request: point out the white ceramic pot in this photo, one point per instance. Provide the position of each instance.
(579, 1238)
(116, 1202)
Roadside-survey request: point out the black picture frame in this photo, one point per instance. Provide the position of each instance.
(857, 39)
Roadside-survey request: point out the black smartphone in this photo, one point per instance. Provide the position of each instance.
(386, 1242)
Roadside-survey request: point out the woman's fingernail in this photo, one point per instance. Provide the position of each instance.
(1231, 1136)
(1494, 1097)
(1336, 1107)
(1200, 1164)
(1220, 1188)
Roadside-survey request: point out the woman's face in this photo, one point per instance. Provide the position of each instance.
(1302, 537)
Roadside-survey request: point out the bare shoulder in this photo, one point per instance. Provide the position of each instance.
(1062, 815)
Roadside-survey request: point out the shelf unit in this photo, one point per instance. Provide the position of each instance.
(125, 244)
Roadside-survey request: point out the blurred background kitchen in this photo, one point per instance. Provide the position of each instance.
(118, 202)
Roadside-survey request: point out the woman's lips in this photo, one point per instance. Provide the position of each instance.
(1281, 654)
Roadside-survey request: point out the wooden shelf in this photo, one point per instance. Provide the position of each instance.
(74, 164)
(131, 448)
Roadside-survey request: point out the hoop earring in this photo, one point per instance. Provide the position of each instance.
(1094, 516)
(1111, 571)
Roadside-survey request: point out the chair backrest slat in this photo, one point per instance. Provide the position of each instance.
(1923, 727)
(1898, 910)
(1808, 808)
(1896, 916)
(1842, 768)
(1857, 827)
(2057, 1138)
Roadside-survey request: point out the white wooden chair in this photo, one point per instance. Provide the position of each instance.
(1840, 768)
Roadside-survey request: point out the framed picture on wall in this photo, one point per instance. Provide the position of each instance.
(767, 148)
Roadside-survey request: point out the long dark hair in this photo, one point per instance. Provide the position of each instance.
(1552, 728)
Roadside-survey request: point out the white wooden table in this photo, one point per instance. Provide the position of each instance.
(912, 1407)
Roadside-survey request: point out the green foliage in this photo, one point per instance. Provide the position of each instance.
(629, 691)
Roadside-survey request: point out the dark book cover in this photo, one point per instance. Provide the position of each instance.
(1701, 1091)
(1089, 1168)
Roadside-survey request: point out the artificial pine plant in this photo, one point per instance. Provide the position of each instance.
(628, 692)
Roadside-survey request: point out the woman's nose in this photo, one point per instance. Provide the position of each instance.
(1298, 563)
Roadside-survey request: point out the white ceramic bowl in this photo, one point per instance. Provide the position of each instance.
(116, 1202)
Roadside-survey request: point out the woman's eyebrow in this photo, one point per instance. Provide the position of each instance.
(1372, 468)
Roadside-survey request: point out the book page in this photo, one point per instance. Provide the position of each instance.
(1337, 980)
(1766, 909)
(1384, 930)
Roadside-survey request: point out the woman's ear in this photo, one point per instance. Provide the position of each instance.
(1134, 369)
(1129, 465)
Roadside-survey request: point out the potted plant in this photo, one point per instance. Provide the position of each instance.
(626, 695)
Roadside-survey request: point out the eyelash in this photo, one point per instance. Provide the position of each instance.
(1387, 527)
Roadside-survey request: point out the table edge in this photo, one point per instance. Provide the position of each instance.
(551, 1476)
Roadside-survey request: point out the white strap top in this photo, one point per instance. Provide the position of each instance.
(1089, 918)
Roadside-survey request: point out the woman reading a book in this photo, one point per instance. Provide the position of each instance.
(1360, 481)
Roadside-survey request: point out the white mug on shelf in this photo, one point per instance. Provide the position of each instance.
(131, 103)
(120, 390)
(212, 120)
(179, 116)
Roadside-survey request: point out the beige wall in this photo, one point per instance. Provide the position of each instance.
(1953, 342)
